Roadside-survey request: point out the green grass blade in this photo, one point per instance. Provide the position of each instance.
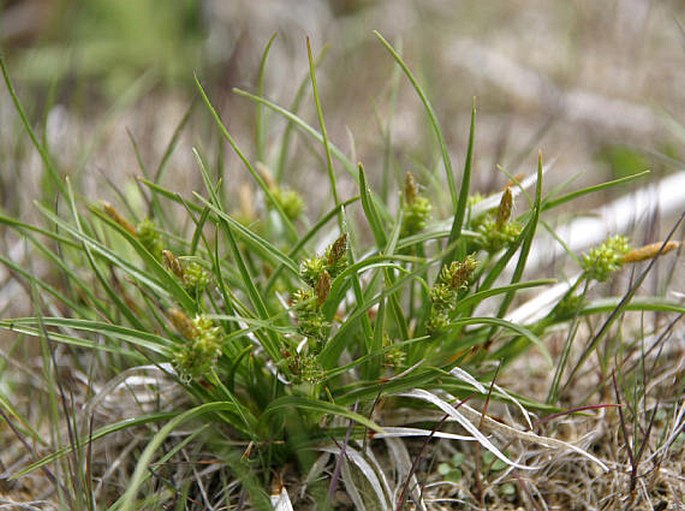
(168, 281)
(32, 279)
(270, 341)
(642, 304)
(462, 204)
(20, 226)
(290, 228)
(324, 134)
(168, 455)
(96, 435)
(87, 244)
(260, 131)
(41, 148)
(17, 326)
(288, 403)
(155, 208)
(94, 247)
(527, 235)
(254, 241)
(145, 460)
(370, 211)
(473, 299)
(336, 344)
(349, 166)
(11, 411)
(394, 298)
(433, 119)
(294, 107)
(558, 201)
(518, 329)
(138, 338)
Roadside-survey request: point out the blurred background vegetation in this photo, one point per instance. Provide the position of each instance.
(596, 85)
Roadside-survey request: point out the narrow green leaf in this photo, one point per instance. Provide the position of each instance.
(370, 211)
(290, 228)
(433, 119)
(558, 201)
(253, 240)
(324, 134)
(527, 235)
(269, 340)
(168, 281)
(135, 337)
(294, 107)
(145, 460)
(42, 149)
(260, 131)
(518, 329)
(462, 204)
(104, 252)
(113, 295)
(287, 403)
(477, 297)
(302, 125)
(95, 435)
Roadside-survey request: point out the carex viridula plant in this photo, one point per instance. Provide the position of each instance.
(291, 353)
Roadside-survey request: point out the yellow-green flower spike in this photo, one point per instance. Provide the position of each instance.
(602, 261)
(203, 347)
(149, 236)
(311, 269)
(416, 209)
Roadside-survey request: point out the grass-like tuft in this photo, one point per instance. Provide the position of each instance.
(328, 356)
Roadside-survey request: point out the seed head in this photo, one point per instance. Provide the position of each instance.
(173, 263)
(338, 250)
(323, 288)
(411, 189)
(504, 209)
(114, 214)
(649, 251)
(149, 236)
(183, 324)
(602, 261)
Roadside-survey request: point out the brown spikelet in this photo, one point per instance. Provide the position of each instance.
(649, 251)
(323, 288)
(338, 250)
(118, 218)
(246, 200)
(411, 189)
(182, 323)
(173, 263)
(266, 174)
(504, 209)
(515, 179)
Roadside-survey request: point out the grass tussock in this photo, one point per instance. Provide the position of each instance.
(191, 350)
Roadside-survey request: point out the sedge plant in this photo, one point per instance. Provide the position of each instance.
(297, 358)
